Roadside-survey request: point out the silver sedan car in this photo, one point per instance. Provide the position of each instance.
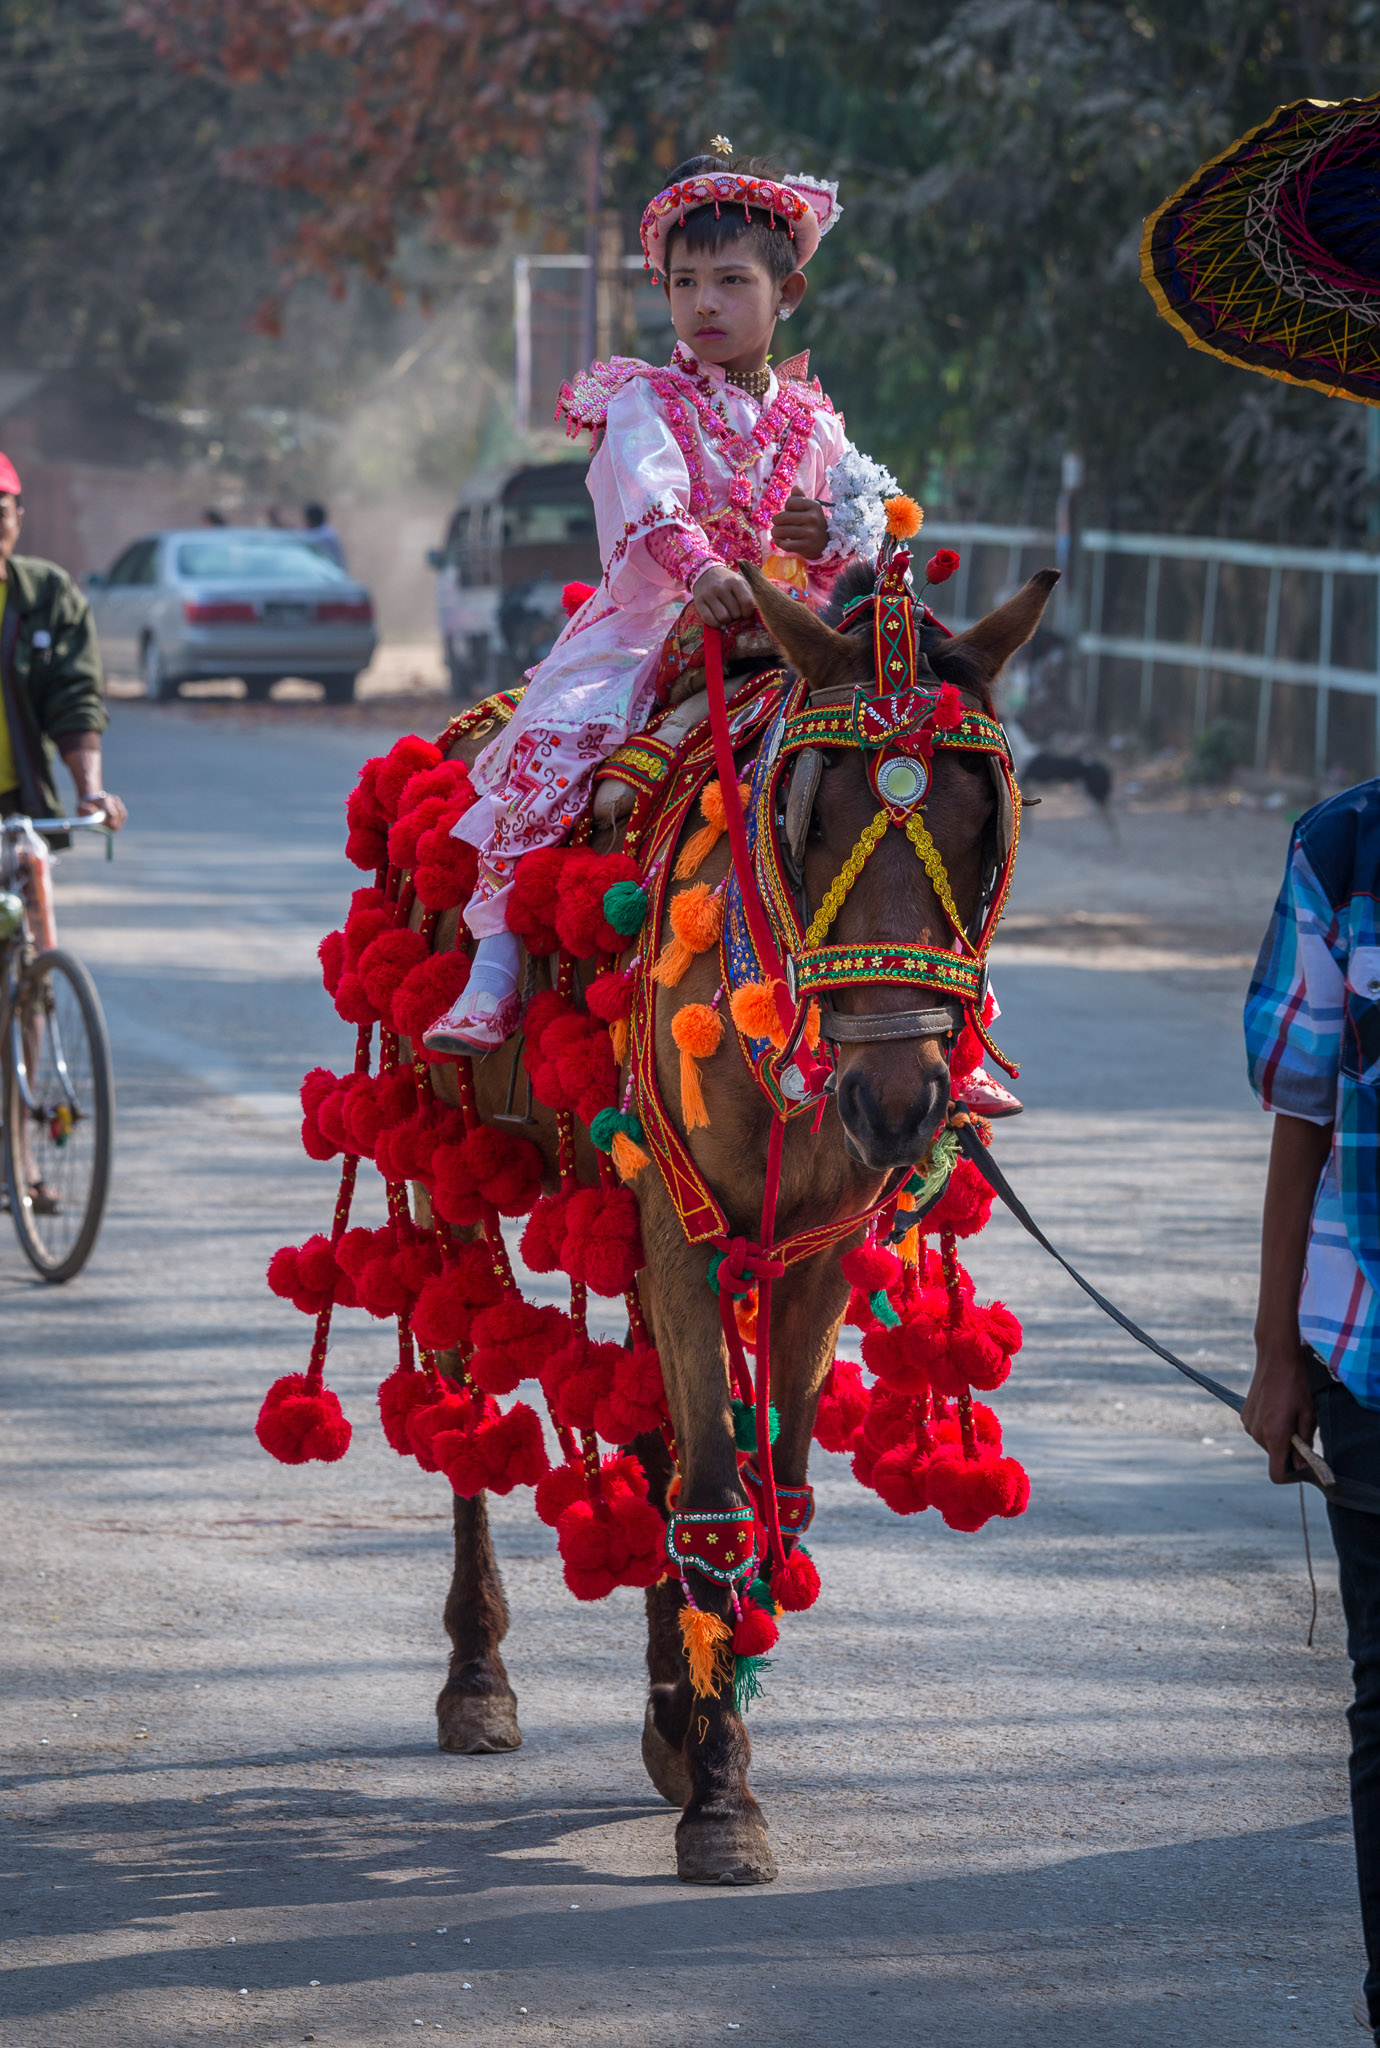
(244, 601)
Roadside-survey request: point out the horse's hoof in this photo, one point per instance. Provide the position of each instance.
(477, 1723)
(728, 1850)
(666, 1767)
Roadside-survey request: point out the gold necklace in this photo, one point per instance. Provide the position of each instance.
(756, 383)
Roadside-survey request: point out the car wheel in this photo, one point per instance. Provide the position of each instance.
(159, 686)
(256, 688)
(339, 689)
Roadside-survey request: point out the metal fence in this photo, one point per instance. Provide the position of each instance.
(1172, 632)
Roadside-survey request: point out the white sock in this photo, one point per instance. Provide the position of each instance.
(494, 970)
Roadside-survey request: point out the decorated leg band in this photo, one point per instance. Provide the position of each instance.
(723, 1546)
(795, 1504)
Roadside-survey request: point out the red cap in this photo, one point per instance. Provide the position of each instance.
(9, 477)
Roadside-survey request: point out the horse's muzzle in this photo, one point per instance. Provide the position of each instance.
(882, 1137)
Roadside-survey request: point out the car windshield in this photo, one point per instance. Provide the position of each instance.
(254, 561)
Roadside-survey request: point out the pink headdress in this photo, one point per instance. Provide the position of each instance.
(807, 206)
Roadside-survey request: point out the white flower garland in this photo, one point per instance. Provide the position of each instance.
(857, 487)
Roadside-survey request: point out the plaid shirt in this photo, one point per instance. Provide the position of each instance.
(1313, 1051)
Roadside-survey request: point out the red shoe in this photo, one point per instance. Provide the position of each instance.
(985, 1095)
(477, 1024)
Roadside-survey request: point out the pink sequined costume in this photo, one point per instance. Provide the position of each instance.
(688, 470)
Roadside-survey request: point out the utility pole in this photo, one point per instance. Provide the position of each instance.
(594, 204)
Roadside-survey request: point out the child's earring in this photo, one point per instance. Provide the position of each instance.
(784, 312)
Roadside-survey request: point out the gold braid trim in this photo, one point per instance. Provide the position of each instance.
(918, 835)
(844, 880)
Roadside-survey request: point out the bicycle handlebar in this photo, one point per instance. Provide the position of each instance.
(97, 822)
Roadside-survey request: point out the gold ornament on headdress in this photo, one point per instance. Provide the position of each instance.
(720, 145)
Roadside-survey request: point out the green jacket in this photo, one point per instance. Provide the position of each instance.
(50, 675)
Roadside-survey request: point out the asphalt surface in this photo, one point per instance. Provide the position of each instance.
(1076, 1779)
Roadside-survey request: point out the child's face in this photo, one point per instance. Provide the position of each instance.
(725, 302)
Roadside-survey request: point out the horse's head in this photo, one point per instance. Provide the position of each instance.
(893, 1072)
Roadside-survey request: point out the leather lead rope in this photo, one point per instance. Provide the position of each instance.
(1342, 1493)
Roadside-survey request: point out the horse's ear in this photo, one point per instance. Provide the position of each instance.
(828, 660)
(990, 644)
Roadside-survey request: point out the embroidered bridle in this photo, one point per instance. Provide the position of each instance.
(898, 724)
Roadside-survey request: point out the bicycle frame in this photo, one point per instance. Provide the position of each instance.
(26, 868)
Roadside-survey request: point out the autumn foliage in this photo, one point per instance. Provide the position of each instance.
(432, 106)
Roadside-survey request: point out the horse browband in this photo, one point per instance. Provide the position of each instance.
(827, 719)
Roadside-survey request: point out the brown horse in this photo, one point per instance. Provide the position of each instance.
(892, 1096)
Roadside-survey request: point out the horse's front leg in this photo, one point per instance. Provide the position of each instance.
(722, 1835)
(476, 1710)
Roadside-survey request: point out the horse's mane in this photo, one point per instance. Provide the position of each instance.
(950, 662)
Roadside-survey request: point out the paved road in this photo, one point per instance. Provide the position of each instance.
(1075, 1779)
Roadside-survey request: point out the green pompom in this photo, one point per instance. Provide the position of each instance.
(760, 1594)
(882, 1309)
(609, 1123)
(625, 907)
(747, 1681)
(716, 1259)
(745, 1426)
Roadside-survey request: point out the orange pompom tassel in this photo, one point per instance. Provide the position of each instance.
(628, 1156)
(706, 1639)
(702, 843)
(753, 1009)
(672, 963)
(745, 1316)
(812, 1023)
(697, 918)
(618, 1039)
(910, 1247)
(698, 1032)
(904, 517)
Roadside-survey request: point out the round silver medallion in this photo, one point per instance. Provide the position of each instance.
(902, 781)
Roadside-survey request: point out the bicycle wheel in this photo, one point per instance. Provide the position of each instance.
(59, 1113)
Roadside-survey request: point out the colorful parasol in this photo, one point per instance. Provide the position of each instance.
(1270, 255)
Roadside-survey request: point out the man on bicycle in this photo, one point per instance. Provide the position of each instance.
(50, 679)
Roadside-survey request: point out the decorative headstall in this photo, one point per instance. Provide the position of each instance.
(898, 727)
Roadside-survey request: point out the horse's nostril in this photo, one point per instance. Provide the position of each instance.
(885, 1135)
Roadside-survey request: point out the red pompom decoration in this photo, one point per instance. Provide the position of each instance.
(562, 1485)
(545, 1234)
(387, 961)
(603, 1239)
(298, 1423)
(407, 757)
(969, 1491)
(965, 1204)
(900, 1477)
(307, 1275)
(430, 989)
(871, 1268)
(755, 1634)
(795, 1584)
(514, 1340)
(331, 954)
(389, 1099)
(447, 1305)
(574, 596)
(635, 1403)
(402, 837)
(404, 1390)
(610, 995)
(625, 1547)
(581, 886)
(842, 1407)
(531, 906)
(430, 1419)
(445, 782)
(352, 1003)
